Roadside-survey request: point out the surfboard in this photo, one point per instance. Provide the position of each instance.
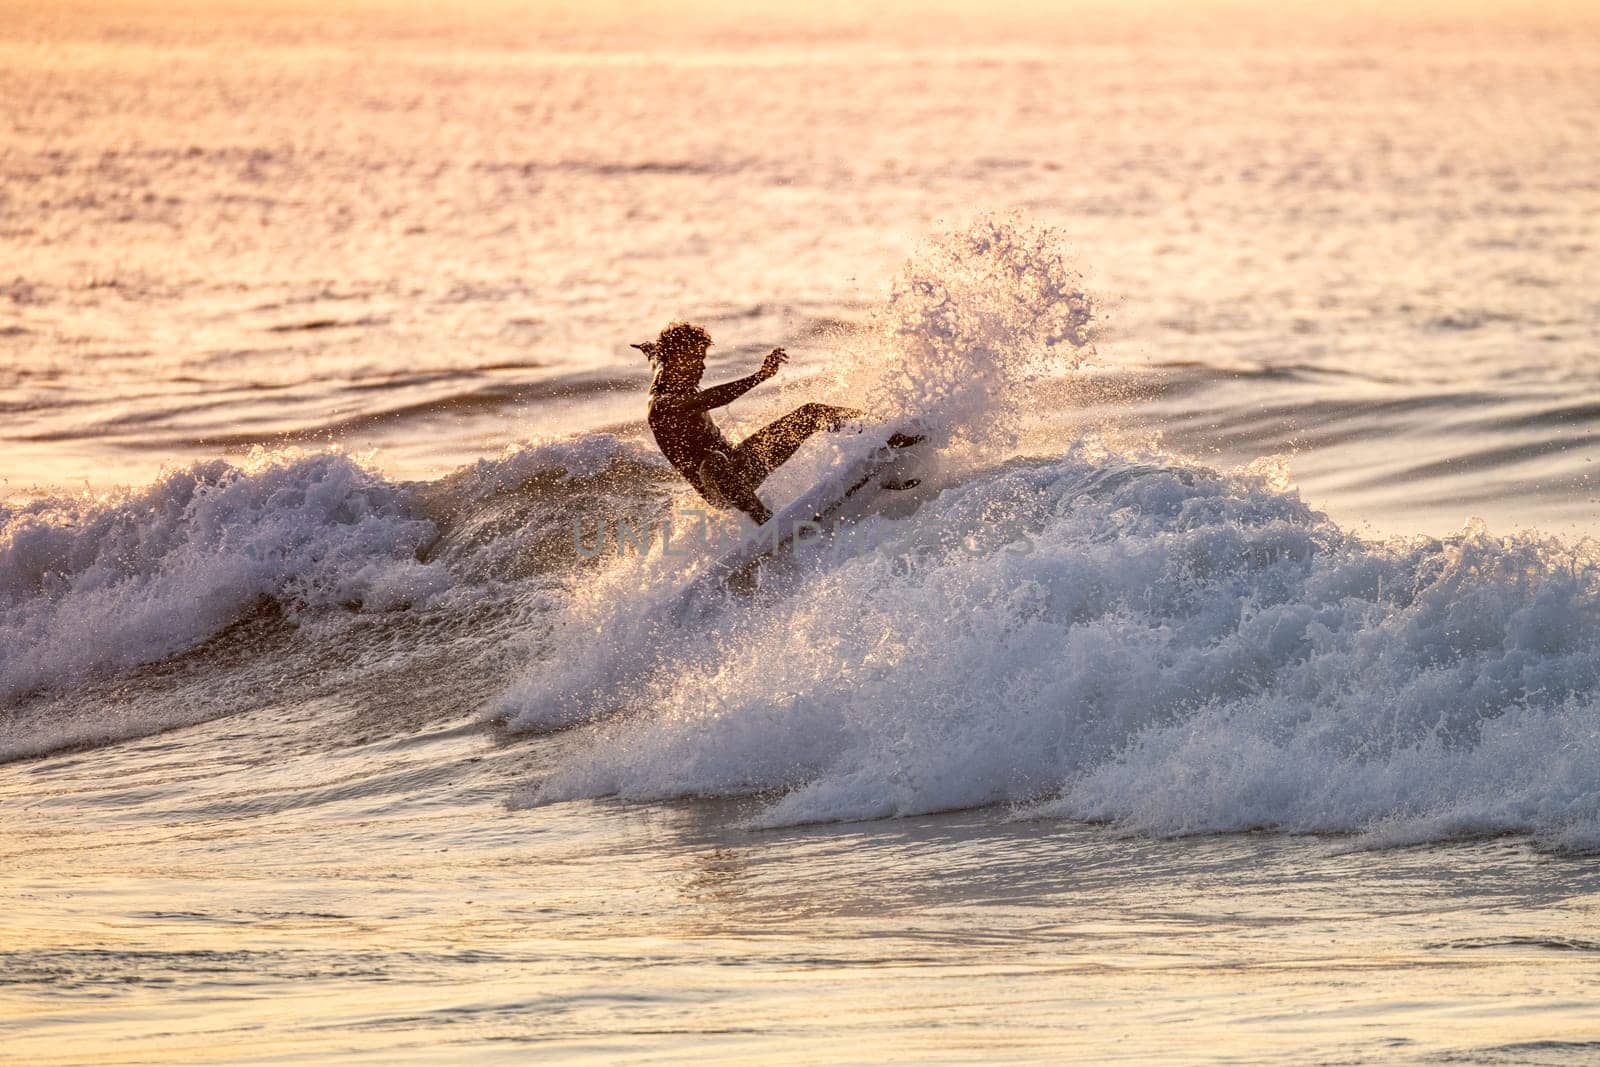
(894, 461)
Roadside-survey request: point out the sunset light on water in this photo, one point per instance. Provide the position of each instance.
(1191, 650)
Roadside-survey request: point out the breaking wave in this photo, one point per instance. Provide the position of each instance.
(1099, 634)
(1128, 639)
(88, 586)
(94, 589)
(1096, 632)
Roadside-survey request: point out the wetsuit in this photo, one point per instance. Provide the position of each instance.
(726, 474)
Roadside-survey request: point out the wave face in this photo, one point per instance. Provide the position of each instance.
(220, 586)
(87, 586)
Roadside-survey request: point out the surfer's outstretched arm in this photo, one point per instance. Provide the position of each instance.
(720, 396)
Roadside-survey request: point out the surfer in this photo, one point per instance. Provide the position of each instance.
(726, 475)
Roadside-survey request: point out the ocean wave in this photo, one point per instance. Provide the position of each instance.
(1099, 634)
(1093, 633)
(93, 586)
(516, 516)
(1127, 639)
(88, 586)
(470, 397)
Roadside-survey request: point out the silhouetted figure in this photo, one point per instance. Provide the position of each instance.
(727, 475)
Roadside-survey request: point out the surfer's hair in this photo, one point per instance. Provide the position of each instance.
(678, 338)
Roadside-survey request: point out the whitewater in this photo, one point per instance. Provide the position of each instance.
(1106, 633)
(1226, 688)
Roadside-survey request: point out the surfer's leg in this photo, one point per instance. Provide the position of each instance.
(771, 446)
(729, 483)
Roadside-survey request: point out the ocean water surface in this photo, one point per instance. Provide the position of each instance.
(1228, 689)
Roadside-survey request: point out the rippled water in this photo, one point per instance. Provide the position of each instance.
(1340, 242)
(392, 912)
(324, 740)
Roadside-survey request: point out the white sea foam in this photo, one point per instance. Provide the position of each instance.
(91, 585)
(975, 318)
(1124, 639)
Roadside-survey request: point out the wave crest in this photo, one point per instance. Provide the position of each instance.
(88, 586)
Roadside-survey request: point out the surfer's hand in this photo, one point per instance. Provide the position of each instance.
(775, 359)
